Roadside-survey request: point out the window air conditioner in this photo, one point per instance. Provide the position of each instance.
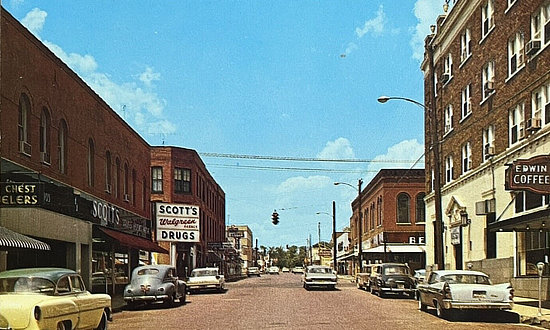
(489, 86)
(532, 47)
(445, 77)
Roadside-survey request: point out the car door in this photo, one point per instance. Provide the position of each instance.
(430, 290)
(90, 309)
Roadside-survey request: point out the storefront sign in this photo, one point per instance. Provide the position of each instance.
(455, 235)
(21, 194)
(177, 222)
(235, 234)
(529, 174)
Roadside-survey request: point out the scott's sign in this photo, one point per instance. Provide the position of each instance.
(529, 174)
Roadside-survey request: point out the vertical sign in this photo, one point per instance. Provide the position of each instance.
(177, 222)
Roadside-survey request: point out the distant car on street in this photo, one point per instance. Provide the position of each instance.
(273, 270)
(449, 290)
(362, 279)
(155, 283)
(392, 278)
(319, 276)
(298, 270)
(285, 270)
(253, 271)
(206, 279)
(50, 298)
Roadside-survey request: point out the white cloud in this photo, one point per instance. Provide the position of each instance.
(34, 21)
(300, 184)
(374, 25)
(337, 149)
(404, 150)
(136, 104)
(427, 12)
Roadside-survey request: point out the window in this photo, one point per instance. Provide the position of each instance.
(449, 169)
(420, 208)
(515, 54)
(447, 69)
(487, 80)
(466, 101)
(62, 147)
(435, 82)
(448, 119)
(117, 178)
(91, 167)
(23, 125)
(45, 128)
(466, 157)
(526, 200)
(403, 207)
(465, 46)
(540, 107)
(380, 213)
(511, 3)
(134, 181)
(125, 189)
(488, 142)
(182, 180)
(515, 124)
(156, 176)
(540, 25)
(108, 172)
(487, 18)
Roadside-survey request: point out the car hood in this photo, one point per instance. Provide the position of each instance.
(480, 292)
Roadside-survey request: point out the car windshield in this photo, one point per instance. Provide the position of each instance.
(204, 272)
(26, 285)
(396, 270)
(320, 270)
(465, 279)
(148, 271)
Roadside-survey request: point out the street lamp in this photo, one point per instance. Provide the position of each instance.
(333, 234)
(434, 146)
(360, 226)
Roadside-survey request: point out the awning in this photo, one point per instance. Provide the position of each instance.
(11, 239)
(134, 241)
(397, 249)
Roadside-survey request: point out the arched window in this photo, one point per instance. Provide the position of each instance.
(403, 207)
(23, 125)
(91, 159)
(420, 208)
(125, 183)
(134, 179)
(62, 147)
(45, 128)
(117, 178)
(108, 172)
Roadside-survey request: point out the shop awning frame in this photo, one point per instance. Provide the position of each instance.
(133, 241)
(12, 239)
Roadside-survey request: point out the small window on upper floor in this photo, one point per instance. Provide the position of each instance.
(465, 45)
(487, 18)
(449, 169)
(156, 179)
(62, 147)
(182, 180)
(516, 58)
(448, 118)
(488, 142)
(466, 99)
(403, 208)
(488, 80)
(466, 157)
(447, 69)
(45, 128)
(420, 208)
(91, 163)
(540, 29)
(23, 125)
(516, 129)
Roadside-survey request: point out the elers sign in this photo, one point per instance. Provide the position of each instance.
(531, 174)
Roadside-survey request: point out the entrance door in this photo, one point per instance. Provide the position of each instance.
(458, 256)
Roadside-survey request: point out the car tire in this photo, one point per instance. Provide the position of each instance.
(440, 311)
(170, 301)
(61, 326)
(103, 322)
(422, 306)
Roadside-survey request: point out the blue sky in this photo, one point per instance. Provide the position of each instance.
(285, 79)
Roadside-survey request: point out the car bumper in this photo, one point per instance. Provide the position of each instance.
(398, 290)
(146, 298)
(448, 304)
(198, 287)
(321, 282)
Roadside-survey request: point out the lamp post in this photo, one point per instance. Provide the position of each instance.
(360, 225)
(434, 146)
(334, 266)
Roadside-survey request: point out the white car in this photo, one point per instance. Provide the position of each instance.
(320, 276)
(206, 279)
(273, 270)
(448, 290)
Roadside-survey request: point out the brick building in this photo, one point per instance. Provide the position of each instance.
(393, 217)
(83, 194)
(489, 86)
(179, 177)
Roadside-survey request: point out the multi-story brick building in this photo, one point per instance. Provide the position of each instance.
(179, 177)
(83, 171)
(393, 217)
(489, 86)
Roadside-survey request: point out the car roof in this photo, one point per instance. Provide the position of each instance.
(206, 268)
(50, 273)
(458, 272)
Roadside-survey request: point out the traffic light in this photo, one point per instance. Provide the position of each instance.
(275, 217)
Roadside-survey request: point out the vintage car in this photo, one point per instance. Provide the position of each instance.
(206, 279)
(362, 279)
(154, 283)
(50, 298)
(448, 290)
(253, 271)
(319, 276)
(392, 278)
(273, 270)
(298, 270)
(420, 275)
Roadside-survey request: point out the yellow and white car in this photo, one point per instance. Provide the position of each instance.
(205, 279)
(50, 298)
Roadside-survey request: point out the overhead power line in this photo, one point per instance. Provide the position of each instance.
(304, 159)
(280, 168)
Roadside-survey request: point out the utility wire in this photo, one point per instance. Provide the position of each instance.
(297, 169)
(303, 159)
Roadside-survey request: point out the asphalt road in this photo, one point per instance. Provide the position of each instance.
(280, 302)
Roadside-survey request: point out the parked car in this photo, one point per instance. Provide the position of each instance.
(298, 270)
(319, 276)
(253, 271)
(273, 270)
(155, 283)
(285, 270)
(448, 290)
(420, 275)
(206, 279)
(392, 278)
(362, 280)
(50, 298)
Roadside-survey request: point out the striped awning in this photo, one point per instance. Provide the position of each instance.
(11, 239)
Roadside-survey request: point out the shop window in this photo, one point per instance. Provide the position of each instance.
(532, 248)
(156, 178)
(403, 207)
(526, 200)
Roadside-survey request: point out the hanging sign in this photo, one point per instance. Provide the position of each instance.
(531, 174)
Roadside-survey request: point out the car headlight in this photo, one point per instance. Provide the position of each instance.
(37, 313)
